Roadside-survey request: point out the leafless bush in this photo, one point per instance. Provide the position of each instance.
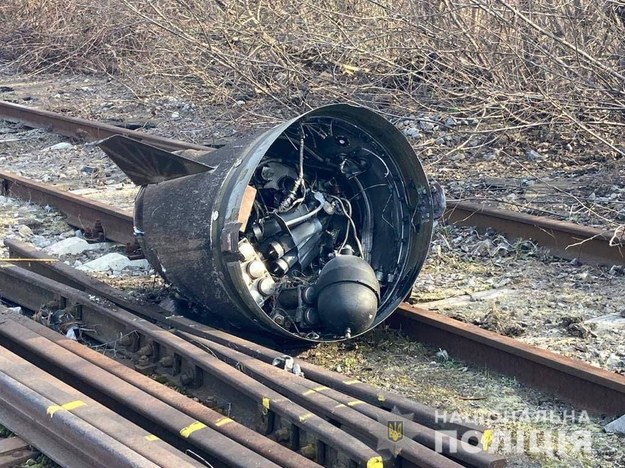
(553, 66)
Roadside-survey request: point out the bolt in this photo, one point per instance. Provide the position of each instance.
(126, 340)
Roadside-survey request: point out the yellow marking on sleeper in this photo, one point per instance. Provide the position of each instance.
(355, 402)
(191, 428)
(67, 407)
(223, 421)
(315, 389)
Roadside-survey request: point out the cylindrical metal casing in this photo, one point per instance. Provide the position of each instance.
(189, 231)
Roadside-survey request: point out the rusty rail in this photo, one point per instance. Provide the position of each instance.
(230, 428)
(164, 421)
(70, 427)
(81, 212)
(118, 224)
(296, 400)
(84, 130)
(59, 271)
(590, 387)
(566, 240)
(247, 399)
(336, 405)
(573, 380)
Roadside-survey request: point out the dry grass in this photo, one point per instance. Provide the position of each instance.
(553, 67)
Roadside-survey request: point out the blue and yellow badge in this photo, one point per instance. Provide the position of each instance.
(395, 430)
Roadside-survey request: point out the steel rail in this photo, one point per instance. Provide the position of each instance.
(26, 412)
(67, 398)
(32, 291)
(344, 409)
(354, 415)
(333, 403)
(232, 429)
(17, 420)
(565, 240)
(588, 386)
(81, 212)
(163, 420)
(84, 130)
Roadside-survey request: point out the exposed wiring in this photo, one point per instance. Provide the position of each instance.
(367, 222)
(301, 219)
(360, 192)
(384, 210)
(350, 222)
(388, 171)
(290, 201)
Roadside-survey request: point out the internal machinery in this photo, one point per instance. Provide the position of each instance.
(313, 230)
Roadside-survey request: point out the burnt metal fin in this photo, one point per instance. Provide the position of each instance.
(145, 164)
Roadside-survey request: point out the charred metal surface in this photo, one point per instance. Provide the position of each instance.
(349, 386)
(589, 387)
(603, 391)
(361, 419)
(591, 245)
(341, 223)
(145, 164)
(382, 398)
(588, 245)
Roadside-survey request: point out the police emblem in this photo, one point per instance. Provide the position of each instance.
(395, 430)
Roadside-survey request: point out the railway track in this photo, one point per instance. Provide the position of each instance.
(270, 404)
(567, 240)
(273, 401)
(582, 384)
